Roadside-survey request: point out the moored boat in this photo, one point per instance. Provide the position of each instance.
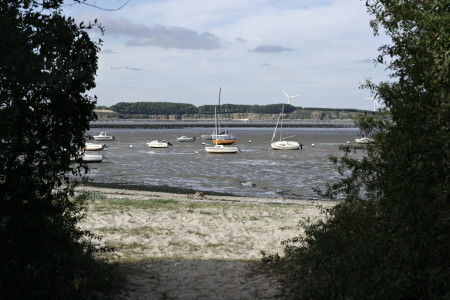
(103, 137)
(92, 157)
(223, 134)
(283, 144)
(159, 144)
(364, 140)
(94, 147)
(184, 139)
(221, 140)
(221, 149)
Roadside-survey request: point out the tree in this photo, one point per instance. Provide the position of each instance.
(390, 237)
(47, 64)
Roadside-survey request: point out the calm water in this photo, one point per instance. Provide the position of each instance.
(256, 171)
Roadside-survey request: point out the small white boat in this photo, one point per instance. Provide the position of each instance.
(364, 140)
(92, 157)
(183, 139)
(103, 137)
(94, 147)
(285, 145)
(159, 144)
(222, 149)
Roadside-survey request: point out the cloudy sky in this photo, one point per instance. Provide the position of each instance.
(184, 50)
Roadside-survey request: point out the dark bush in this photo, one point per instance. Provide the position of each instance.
(47, 64)
(390, 238)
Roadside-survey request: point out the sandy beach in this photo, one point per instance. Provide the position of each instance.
(179, 246)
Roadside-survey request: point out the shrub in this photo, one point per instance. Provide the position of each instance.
(390, 237)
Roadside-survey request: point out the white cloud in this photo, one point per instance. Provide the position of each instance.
(160, 36)
(328, 36)
(270, 49)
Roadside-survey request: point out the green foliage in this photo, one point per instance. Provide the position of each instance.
(242, 108)
(154, 108)
(47, 64)
(146, 110)
(390, 237)
(169, 108)
(324, 113)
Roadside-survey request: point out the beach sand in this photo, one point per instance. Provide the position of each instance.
(178, 246)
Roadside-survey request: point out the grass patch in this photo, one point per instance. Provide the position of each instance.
(103, 203)
(147, 231)
(208, 213)
(282, 228)
(110, 230)
(189, 246)
(196, 233)
(215, 245)
(126, 246)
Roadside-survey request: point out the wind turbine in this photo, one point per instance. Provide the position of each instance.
(374, 102)
(289, 97)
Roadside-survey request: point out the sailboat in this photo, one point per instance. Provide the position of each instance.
(219, 140)
(283, 144)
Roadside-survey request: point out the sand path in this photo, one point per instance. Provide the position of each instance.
(176, 246)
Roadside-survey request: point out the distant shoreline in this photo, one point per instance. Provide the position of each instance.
(166, 124)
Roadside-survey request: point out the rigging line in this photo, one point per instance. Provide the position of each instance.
(106, 9)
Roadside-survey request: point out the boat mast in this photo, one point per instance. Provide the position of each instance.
(281, 124)
(218, 124)
(215, 121)
(276, 126)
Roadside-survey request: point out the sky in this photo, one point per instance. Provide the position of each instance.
(184, 50)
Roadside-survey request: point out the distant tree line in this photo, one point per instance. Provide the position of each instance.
(169, 108)
(154, 108)
(332, 109)
(242, 108)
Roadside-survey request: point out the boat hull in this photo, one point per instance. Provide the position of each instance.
(92, 158)
(223, 142)
(156, 144)
(186, 139)
(285, 145)
(102, 138)
(224, 135)
(364, 140)
(221, 150)
(94, 147)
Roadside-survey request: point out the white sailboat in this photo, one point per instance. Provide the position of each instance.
(159, 144)
(283, 144)
(219, 148)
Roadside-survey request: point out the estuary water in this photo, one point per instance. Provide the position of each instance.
(256, 171)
